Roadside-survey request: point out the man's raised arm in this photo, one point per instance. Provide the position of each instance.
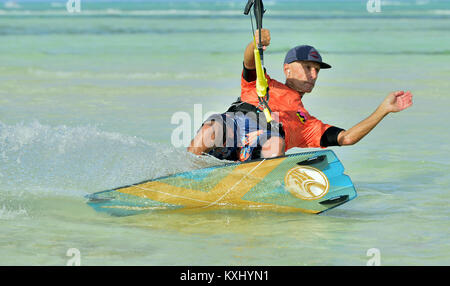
(249, 56)
(394, 102)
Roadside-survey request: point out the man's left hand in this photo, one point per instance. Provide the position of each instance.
(397, 101)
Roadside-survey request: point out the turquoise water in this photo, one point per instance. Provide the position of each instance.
(86, 102)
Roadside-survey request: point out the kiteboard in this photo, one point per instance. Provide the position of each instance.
(311, 182)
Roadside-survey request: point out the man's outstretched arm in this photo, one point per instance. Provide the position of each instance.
(394, 102)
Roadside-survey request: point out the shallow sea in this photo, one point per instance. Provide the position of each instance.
(86, 102)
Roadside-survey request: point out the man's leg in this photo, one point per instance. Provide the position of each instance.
(205, 139)
(257, 140)
(273, 147)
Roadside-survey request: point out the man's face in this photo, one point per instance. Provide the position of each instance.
(301, 75)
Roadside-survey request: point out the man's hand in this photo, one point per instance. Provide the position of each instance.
(249, 56)
(394, 102)
(265, 38)
(397, 101)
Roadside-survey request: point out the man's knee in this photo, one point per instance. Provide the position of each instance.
(213, 134)
(208, 137)
(273, 147)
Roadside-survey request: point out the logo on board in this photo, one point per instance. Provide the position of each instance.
(307, 183)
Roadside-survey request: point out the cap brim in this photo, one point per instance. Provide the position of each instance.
(324, 66)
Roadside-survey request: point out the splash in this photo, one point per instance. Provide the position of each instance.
(64, 160)
(9, 214)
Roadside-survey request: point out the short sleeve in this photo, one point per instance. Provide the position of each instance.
(312, 131)
(330, 137)
(248, 75)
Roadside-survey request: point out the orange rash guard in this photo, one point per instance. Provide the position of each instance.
(301, 129)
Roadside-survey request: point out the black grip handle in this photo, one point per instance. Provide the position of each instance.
(312, 161)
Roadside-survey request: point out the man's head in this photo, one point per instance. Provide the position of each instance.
(301, 67)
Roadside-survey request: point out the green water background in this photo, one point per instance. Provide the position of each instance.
(86, 102)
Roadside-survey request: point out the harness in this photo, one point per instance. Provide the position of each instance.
(256, 114)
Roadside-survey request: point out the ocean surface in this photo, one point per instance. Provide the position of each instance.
(87, 103)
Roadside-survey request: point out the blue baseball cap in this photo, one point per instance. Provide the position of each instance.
(305, 53)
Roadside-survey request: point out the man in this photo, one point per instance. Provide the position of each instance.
(241, 134)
